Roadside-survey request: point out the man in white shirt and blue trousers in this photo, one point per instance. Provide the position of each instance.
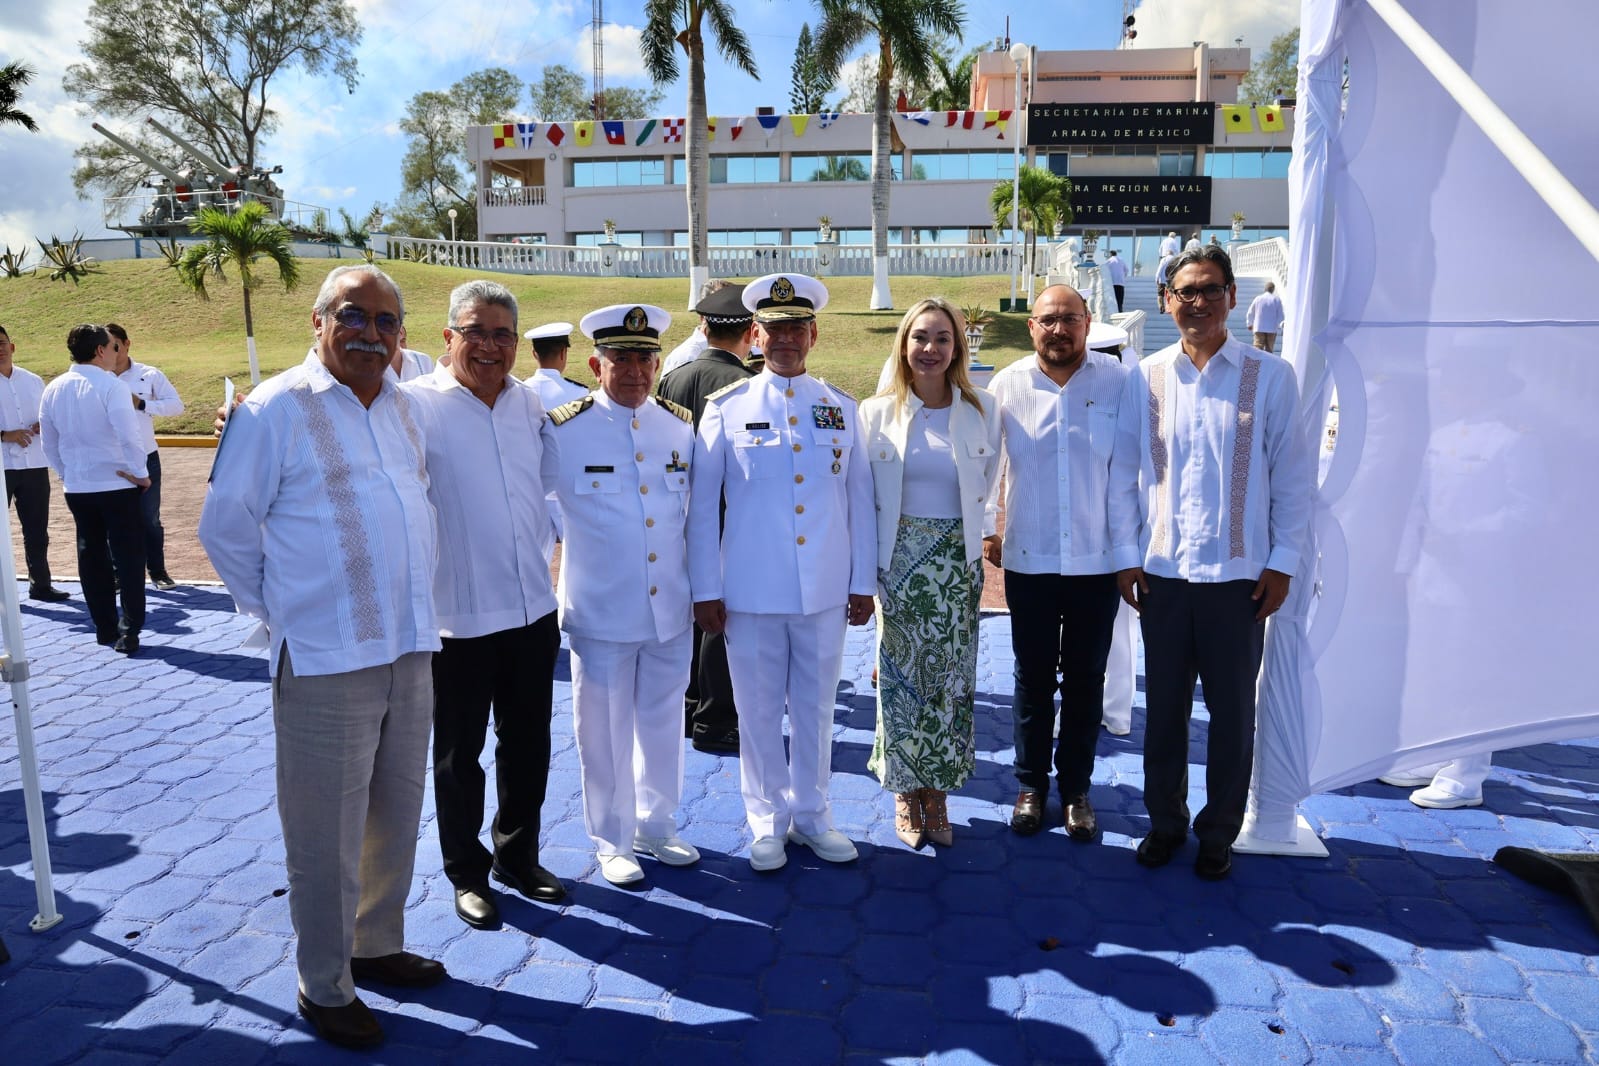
(619, 460)
(796, 560)
(1210, 508)
(318, 521)
(1058, 417)
(497, 620)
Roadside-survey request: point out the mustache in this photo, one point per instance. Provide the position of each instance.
(366, 346)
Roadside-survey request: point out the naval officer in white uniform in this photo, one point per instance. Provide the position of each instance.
(618, 461)
(797, 558)
(551, 342)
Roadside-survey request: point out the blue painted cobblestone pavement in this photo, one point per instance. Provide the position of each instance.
(1405, 945)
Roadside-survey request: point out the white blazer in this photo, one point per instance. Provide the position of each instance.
(974, 436)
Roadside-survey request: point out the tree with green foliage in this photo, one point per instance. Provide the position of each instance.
(435, 174)
(561, 94)
(203, 67)
(13, 76)
(670, 24)
(952, 90)
(809, 84)
(240, 237)
(1276, 73)
(1043, 201)
(906, 33)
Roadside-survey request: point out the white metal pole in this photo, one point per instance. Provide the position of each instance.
(1018, 55)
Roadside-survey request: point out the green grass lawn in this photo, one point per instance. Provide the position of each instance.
(198, 343)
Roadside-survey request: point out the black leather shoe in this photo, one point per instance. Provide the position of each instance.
(1080, 821)
(127, 644)
(1157, 848)
(476, 907)
(401, 968)
(536, 884)
(1027, 817)
(717, 743)
(1215, 861)
(351, 1025)
(107, 639)
(48, 595)
(164, 583)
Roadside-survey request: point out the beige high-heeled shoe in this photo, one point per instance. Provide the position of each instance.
(908, 819)
(935, 817)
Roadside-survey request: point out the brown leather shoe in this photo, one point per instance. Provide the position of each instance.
(1027, 817)
(1080, 821)
(351, 1025)
(401, 968)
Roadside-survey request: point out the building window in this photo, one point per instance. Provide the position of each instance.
(1248, 162)
(731, 169)
(856, 167)
(605, 173)
(961, 166)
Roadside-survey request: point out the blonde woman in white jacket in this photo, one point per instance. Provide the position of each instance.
(933, 440)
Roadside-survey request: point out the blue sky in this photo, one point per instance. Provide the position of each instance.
(343, 150)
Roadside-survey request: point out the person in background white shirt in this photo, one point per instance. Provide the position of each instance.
(795, 562)
(1116, 270)
(1193, 244)
(697, 341)
(408, 365)
(1058, 414)
(551, 343)
(153, 396)
(933, 441)
(27, 479)
(620, 462)
(1210, 507)
(1265, 318)
(1170, 244)
(318, 521)
(90, 434)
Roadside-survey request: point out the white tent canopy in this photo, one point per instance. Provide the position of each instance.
(1454, 310)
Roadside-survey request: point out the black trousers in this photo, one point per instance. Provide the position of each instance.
(31, 490)
(511, 673)
(1060, 628)
(708, 704)
(155, 537)
(1205, 631)
(1121, 294)
(110, 519)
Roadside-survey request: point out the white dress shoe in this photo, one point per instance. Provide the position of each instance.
(831, 845)
(1117, 729)
(1439, 800)
(621, 869)
(768, 854)
(1401, 779)
(672, 850)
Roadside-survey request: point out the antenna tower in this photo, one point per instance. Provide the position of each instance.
(598, 103)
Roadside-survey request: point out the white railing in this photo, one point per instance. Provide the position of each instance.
(1133, 323)
(158, 210)
(514, 196)
(671, 261)
(1263, 259)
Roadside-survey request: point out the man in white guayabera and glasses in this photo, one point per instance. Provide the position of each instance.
(318, 520)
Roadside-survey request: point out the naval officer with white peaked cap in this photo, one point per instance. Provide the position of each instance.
(797, 559)
(618, 460)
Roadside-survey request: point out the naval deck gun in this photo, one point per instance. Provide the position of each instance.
(181, 191)
(236, 184)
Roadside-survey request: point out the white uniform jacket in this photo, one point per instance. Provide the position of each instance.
(621, 475)
(974, 436)
(799, 535)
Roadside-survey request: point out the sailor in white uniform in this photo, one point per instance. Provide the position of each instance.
(618, 461)
(796, 560)
(551, 342)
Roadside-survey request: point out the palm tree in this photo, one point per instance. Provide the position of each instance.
(1043, 203)
(679, 22)
(954, 89)
(239, 237)
(13, 76)
(906, 32)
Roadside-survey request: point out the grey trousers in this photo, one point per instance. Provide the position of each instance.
(352, 759)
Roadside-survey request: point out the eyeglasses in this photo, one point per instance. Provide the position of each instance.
(1189, 293)
(1070, 321)
(356, 319)
(500, 338)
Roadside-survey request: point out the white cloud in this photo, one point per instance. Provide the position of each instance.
(1179, 23)
(624, 59)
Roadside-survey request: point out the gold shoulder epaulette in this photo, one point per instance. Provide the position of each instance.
(676, 408)
(725, 389)
(571, 410)
(835, 388)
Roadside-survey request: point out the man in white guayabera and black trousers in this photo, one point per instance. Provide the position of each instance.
(153, 397)
(27, 477)
(1210, 497)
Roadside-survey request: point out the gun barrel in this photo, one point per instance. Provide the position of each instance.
(144, 157)
(221, 172)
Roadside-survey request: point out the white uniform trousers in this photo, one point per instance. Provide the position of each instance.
(1461, 778)
(352, 761)
(627, 711)
(784, 662)
(1121, 670)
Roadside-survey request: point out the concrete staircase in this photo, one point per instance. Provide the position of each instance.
(1160, 331)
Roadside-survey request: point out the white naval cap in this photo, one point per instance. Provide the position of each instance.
(1104, 337)
(634, 327)
(549, 331)
(777, 297)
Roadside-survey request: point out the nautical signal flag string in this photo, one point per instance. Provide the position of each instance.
(590, 133)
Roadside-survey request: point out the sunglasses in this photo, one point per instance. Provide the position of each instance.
(354, 318)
